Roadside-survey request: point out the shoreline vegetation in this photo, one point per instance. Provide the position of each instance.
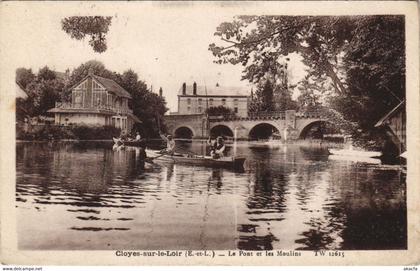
(253, 143)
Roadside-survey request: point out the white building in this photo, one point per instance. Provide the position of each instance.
(195, 99)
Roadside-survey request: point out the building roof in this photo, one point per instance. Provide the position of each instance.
(390, 114)
(112, 86)
(216, 91)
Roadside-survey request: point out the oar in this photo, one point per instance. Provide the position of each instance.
(190, 152)
(150, 159)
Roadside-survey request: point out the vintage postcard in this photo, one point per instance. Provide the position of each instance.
(209, 133)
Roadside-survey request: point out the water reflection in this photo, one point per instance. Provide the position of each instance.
(85, 196)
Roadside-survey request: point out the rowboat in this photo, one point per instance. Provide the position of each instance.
(133, 143)
(206, 161)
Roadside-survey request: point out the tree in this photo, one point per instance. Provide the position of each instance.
(375, 68)
(361, 58)
(262, 99)
(24, 77)
(146, 105)
(310, 91)
(95, 27)
(260, 42)
(282, 99)
(43, 90)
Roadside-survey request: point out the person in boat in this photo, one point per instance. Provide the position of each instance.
(118, 144)
(170, 144)
(123, 136)
(217, 148)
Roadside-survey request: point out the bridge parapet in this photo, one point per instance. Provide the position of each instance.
(278, 115)
(259, 116)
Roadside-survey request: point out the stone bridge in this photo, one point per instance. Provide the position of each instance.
(288, 125)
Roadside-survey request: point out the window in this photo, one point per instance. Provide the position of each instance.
(189, 108)
(78, 98)
(108, 100)
(211, 102)
(235, 102)
(188, 101)
(235, 110)
(223, 101)
(200, 109)
(96, 97)
(200, 101)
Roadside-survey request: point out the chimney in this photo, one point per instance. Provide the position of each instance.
(160, 91)
(184, 89)
(195, 88)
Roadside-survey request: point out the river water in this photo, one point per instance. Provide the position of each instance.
(86, 196)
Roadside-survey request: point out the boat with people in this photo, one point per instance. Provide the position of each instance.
(234, 162)
(355, 153)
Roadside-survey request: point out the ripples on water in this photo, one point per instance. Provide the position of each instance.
(85, 196)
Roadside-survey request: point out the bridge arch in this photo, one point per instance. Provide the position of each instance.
(263, 130)
(184, 132)
(221, 130)
(317, 129)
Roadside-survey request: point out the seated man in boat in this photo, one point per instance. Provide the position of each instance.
(170, 144)
(217, 148)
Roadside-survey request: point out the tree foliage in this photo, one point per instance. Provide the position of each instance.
(147, 105)
(271, 97)
(95, 27)
(360, 58)
(259, 42)
(219, 111)
(24, 76)
(375, 68)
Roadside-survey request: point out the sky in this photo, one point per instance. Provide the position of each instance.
(165, 44)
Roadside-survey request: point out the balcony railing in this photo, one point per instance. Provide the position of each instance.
(95, 107)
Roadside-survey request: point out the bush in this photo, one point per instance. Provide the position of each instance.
(81, 132)
(220, 111)
(44, 132)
